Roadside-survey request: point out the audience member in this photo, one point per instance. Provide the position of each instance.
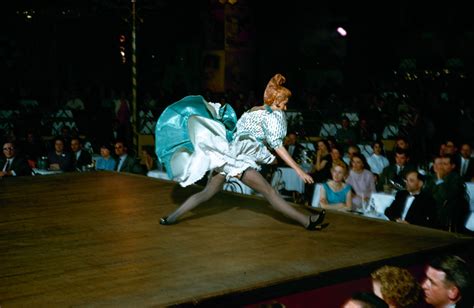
(80, 157)
(31, 147)
(125, 162)
(377, 161)
(448, 283)
(11, 164)
(336, 156)
(335, 194)
(149, 158)
(321, 170)
(351, 150)
(396, 173)
(59, 159)
(413, 205)
(346, 135)
(449, 192)
(465, 163)
(361, 180)
(105, 161)
(396, 286)
(292, 145)
(365, 300)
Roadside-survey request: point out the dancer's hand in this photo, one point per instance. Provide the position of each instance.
(305, 177)
(283, 153)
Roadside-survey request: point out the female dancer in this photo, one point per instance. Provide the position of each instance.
(188, 156)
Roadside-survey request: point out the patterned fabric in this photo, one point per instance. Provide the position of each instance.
(269, 127)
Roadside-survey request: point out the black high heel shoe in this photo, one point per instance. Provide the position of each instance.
(316, 225)
(164, 221)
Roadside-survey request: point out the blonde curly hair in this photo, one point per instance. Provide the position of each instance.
(398, 286)
(275, 92)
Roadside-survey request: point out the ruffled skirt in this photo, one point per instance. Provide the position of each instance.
(212, 151)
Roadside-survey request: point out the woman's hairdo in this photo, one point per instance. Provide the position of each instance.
(275, 91)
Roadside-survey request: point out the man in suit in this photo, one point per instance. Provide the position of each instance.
(413, 205)
(396, 172)
(125, 162)
(448, 282)
(80, 158)
(449, 192)
(464, 163)
(11, 164)
(293, 147)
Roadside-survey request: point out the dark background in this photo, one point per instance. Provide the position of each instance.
(75, 44)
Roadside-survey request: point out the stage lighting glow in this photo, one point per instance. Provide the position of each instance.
(341, 31)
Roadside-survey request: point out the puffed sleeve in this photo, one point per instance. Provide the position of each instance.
(274, 128)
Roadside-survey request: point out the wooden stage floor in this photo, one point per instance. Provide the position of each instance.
(93, 239)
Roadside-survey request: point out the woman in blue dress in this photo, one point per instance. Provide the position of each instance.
(335, 194)
(194, 136)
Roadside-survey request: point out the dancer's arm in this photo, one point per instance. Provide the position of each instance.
(283, 153)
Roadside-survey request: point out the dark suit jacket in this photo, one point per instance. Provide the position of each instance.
(19, 165)
(390, 173)
(130, 165)
(470, 169)
(84, 159)
(452, 202)
(422, 211)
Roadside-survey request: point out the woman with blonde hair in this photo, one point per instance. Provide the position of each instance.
(335, 193)
(194, 137)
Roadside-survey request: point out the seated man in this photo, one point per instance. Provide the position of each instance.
(80, 158)
(126, 162)
(11, 164)
(448, 283)
(294, 148)
(413, 205)
(465, 163)
(397, 172)
(449, 192)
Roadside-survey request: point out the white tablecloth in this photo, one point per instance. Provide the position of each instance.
(286, 177)
(237, 186)
(45, 171)
(381, 201)
(158, 174)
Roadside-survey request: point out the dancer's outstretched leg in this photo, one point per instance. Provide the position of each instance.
(257, 182)
(214, 185)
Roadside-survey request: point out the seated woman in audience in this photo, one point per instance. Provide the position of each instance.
(321, 169)
(377, 161)
(396, 286)
(149, 159)
(361, 180)
(322, 163)
(336, 156)
(335, 194)
(105, 161)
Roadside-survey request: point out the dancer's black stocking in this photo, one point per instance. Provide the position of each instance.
(258, 183)
(214, 185)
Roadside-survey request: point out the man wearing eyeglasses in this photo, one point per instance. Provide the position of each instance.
(12, 165)
(126, 162)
